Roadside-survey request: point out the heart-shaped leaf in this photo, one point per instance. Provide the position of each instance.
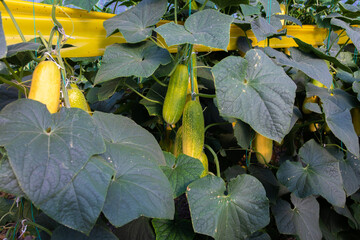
(173, 229)
(139, 187)
(124, 60)
(302, 220)
(49, 155)
(248, 87)
(181, 171)
(319, 175)
(136, 24)
(233, 212)
(3, 48)
(208, 27)
(84, 4)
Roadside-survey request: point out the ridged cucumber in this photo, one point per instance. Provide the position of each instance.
(193, 129)
(203, 159)
(175, 98)
(77, 99)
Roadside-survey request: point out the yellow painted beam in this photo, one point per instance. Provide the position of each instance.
(89, 36)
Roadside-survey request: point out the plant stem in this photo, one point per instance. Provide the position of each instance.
(205, 95)
(158, 81)
(203, 6)
(146, 98)
(21, 89)
(14, 21)
(215, 124)
(175, 10)
(216, 160)
(342, 47)
(40, 227)
(335, 145)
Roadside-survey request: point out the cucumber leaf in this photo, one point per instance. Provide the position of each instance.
(50, 154)
(135, 155)
(302, 219)
(317, 173)
(137, 23)
(125, 60)
(247, 87)
(233, 212)
(181, 171)
(208, 27)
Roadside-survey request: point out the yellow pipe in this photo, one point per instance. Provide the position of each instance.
(89, 36)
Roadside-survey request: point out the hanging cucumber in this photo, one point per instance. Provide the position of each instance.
(193, 129)
(176, 95)
(45, 85)
(264, 148)
(77, 98)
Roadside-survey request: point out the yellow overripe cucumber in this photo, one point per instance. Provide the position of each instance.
(193, 131)
(45, 85)
(176, 95)
(264, 148)
(203, 159)
(77, 98)
(178, 142)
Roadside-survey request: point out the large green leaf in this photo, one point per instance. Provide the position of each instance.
(49, 155)
(336, 107)
(307, 63)
(305, 47)
(252, 87)
(263, 29)
(137, 23)
(8, 181)
(352, 11)
(181, 171)
(173, 229)
(272, 9)
(208, 27)
(319, 174)
(353, 33)
(139, 187)
(84, 4)
(97, 233)
(302, 219)
(124, 60)
(3, 48)
(233, 212)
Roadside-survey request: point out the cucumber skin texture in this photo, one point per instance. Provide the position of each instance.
(77, 99)
(175, 98)
(193, 131)
(203, 159)
(178, 142)
(45, 85)
(264, 146)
